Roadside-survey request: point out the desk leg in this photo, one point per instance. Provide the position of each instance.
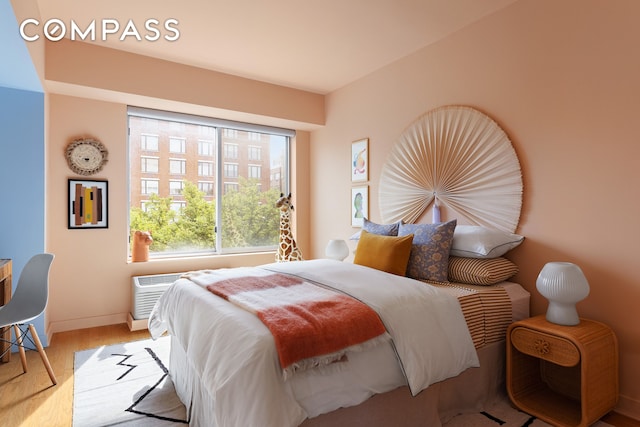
(6, 335)
(5, 297)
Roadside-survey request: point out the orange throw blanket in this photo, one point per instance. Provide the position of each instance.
(311, 325)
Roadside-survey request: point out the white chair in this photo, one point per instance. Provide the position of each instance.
(29, 302)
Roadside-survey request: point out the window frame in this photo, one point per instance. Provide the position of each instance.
(221, 126)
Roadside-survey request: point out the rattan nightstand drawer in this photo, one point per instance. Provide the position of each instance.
(547, 347)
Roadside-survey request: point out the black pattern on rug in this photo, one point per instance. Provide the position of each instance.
(492, 418)
(501, 422)
(165, 371)
(502, 413)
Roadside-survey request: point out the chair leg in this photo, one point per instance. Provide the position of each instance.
(43, 355)
(23, 357)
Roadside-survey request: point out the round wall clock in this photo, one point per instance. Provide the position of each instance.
(86, 156)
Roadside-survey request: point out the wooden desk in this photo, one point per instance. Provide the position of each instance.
(5, 296)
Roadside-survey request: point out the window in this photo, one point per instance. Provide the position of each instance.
(206, 187)
(149, 186)
(149, 165)
(230, 133)
(254, 136)
(230, 170)
(230, 187)
(213, 186)
(149, 142)
(177, 145)
(254, 152)
(205, 148)
(205, 169)
(175, 187)
(254, 171)
(177, 166)
(230, 151)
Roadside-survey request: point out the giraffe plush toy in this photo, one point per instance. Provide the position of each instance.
(287, 248)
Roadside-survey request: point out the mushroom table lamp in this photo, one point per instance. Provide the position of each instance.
(337, 249)
(564, 285)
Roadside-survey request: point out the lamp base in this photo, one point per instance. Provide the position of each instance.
(562, 314)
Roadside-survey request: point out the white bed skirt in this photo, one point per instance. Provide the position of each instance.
(472, 391)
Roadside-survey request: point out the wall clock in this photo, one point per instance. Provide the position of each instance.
(86, 156)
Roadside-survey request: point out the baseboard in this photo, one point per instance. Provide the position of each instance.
(628, 407)
(48, 333)
(87, 322)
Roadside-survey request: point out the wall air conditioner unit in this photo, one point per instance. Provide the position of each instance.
(145, 291)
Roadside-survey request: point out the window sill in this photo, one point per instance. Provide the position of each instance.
(200, 262)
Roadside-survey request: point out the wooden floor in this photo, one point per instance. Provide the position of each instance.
(30, 400)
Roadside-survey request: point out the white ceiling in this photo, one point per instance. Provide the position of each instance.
(315, 45)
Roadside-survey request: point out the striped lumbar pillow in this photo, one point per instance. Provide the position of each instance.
(480, 271)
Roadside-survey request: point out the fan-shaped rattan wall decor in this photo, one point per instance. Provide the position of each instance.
(459, 157)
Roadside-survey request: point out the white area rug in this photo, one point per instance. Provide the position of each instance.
(126, 385)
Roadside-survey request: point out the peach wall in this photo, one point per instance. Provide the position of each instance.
(561, 78)
(91, 279)
(90, 65)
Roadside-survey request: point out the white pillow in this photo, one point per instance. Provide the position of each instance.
(473, 241)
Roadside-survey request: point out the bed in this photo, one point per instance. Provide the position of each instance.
(228, 387)
(443, 298)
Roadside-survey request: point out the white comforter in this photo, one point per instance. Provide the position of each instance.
(235, 357)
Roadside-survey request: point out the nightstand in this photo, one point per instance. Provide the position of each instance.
(564, 375)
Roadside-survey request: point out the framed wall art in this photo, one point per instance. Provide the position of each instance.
(360, 160)
(359, 205)
(88, 204)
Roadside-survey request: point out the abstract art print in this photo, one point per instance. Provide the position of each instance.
(360, 160)
(359, 205)
(88, 204)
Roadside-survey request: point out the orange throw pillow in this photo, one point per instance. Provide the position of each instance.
(386, 253)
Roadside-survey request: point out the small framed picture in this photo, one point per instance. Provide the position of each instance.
(359, 205)
(360, 160)
(88, 204)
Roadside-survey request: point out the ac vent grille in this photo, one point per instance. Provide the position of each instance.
(146, 290)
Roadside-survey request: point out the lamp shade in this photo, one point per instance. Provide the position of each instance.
(337, 249)
(563, 284)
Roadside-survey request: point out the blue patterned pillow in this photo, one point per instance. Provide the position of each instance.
(379, 229)
(429, 259)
